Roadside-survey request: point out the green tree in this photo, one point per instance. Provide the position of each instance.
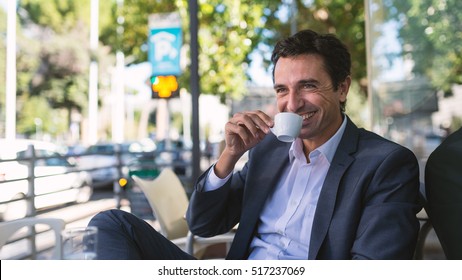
(231, 30)
(60, 16)
(62, 75)
(37, 116)
(58, 69)
(126, 26)
(227, 35)
(431, 35)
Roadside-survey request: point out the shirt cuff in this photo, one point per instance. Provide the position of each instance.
(213, 182)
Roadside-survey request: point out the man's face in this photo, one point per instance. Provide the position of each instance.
(304, 87)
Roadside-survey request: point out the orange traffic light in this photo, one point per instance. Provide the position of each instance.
(164, 86)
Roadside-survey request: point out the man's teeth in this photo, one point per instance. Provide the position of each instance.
(309, 115)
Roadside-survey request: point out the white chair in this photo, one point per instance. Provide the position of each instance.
(169, 202)
(7, 229)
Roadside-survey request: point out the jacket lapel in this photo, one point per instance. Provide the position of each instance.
(327, 198)
(263, 177)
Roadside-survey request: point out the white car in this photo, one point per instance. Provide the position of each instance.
(57, 181)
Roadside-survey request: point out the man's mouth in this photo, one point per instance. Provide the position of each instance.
(308, 115)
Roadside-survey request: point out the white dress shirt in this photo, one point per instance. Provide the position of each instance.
(284, 229)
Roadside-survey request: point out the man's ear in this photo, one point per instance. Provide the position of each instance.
(344, 87)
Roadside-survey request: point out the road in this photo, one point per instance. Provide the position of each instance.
(80, 214)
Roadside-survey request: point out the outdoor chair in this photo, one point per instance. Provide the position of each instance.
(169, 202)
(9, 228)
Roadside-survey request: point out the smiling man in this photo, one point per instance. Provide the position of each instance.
(336, 192)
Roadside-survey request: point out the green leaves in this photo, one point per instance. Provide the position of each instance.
(431, 34)
(229, 32)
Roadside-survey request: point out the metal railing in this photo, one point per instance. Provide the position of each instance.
(28, 196)
(156, 159)
(30, 161)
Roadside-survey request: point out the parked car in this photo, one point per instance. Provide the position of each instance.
(57, 181)
(102, 163)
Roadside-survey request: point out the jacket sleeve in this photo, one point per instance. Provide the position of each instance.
(388, 226)
(215, 212)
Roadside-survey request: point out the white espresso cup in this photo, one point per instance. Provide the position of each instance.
(287, 126)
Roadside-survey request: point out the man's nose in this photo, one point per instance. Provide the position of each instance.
(294, 102)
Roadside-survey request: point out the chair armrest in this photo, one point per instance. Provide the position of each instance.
(192, 239)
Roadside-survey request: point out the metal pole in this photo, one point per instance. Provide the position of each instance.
(10, 118)
(31, 210)
(93, 75)
(195, 90)
(293, 12)
(118, 82)
(116, 185)
(118, 105)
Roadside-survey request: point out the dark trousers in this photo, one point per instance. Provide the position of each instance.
(123, 236)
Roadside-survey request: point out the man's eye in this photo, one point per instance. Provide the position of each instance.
(280, 91)
(309, 86)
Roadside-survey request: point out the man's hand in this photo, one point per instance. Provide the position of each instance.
(242, 132)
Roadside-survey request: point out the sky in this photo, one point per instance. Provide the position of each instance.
(258, 73)
(3, 4)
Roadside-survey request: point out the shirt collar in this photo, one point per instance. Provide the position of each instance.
(328, 149)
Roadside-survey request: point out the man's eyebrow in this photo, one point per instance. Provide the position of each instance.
(304, 81)
(311, 81)
(275, 86)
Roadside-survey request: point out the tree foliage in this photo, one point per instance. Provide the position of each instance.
(62, 75)
(431, 35)
(230, 31)
(57, 15)
(37, 116)
(227, 34)
(127, 28)
(53, 58)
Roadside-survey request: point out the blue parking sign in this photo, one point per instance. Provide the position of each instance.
(164, 50)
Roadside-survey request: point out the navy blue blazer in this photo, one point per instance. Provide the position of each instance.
(366, 210)
(443, 185)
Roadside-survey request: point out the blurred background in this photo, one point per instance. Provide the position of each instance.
(118, 83)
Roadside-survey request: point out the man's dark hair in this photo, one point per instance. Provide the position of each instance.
(334, 53)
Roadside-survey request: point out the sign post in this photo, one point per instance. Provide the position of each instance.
(165, 40)
(164, 50)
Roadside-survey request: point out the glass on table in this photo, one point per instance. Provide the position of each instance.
(79, 243)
